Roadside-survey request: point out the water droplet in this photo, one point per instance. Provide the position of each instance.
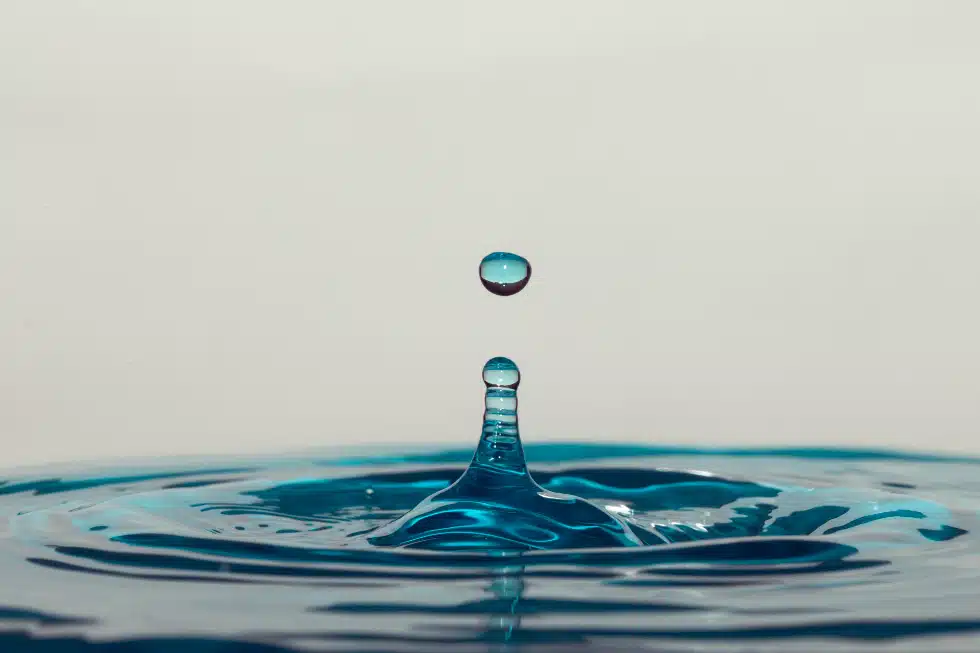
(500, 372)
(503, 273)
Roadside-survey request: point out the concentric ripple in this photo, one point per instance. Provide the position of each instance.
(856, 549)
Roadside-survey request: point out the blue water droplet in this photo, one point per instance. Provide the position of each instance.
(501, 372)
(503, 273)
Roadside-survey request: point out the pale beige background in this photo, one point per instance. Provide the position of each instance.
(255, 226)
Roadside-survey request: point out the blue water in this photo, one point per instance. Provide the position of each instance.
(504, 273)
(776, 550)
(561, 547)
(496, 504)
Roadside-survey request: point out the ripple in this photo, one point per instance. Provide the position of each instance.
(792, 554)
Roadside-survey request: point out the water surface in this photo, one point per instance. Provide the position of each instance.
(741, 550)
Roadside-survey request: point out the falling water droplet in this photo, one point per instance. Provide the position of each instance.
(505, 274)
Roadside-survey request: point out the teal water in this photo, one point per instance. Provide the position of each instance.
(496, 504)
(753, 550)
(559, 547)
(504, 273)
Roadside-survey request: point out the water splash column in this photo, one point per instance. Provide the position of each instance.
(499, 458)
(500, 449)
(495, 504)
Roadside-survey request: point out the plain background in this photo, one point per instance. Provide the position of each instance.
(239, 226)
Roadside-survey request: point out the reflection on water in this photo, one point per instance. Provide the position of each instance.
(740, 551)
